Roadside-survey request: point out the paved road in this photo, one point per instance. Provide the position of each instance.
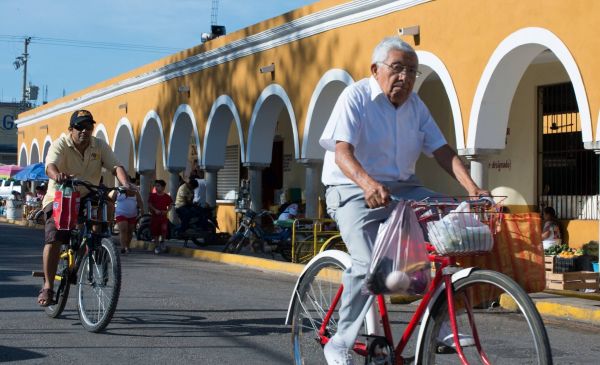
(179, 310)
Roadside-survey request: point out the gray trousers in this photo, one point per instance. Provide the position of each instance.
(358, 225)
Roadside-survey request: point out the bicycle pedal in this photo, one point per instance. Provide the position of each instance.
(37, 274)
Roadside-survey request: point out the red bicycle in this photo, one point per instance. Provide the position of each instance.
(473, 305)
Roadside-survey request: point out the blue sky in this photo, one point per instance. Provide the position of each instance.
(175, 24)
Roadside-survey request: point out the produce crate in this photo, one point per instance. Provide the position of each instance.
(579, 280)
(555, 264)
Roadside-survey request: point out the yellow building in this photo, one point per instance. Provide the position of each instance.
(513, 84)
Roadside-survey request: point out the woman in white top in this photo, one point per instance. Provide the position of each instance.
(128, 205)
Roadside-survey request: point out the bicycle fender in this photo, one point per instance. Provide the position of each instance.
(341, 256)
(440, 291)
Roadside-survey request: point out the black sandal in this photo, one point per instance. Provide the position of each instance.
(46, 295)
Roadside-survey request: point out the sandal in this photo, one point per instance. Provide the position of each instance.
(46, 296)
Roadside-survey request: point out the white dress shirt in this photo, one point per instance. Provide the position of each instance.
(387, 140)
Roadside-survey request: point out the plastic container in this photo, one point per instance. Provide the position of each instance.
(595, 266)
(14, 209)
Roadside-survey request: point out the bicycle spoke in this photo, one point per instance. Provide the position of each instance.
(312, 302)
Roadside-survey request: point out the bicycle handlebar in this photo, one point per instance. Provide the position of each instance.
(92, 187)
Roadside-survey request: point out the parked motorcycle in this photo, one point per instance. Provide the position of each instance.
(250, 232)
(202, 229)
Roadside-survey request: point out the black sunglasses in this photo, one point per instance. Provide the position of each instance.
(87, 127)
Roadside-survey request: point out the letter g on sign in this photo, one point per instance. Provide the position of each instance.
(8, 122)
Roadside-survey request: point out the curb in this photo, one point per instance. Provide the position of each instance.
(226, 258)
(567, 312)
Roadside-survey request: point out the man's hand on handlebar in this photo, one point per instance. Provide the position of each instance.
(61, 177)
(478, 192)
(130, 187)
(377, 196)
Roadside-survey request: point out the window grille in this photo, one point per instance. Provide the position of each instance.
(568, 173)
(228, 178)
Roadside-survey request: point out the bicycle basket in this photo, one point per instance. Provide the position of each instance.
(466, 228)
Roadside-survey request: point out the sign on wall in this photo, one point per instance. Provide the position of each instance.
(8, 128)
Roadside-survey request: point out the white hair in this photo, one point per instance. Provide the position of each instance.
(380, 53)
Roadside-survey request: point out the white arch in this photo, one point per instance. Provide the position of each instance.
(47, 144)
(217, 129)
(36, 144)
(101, 128)
(310, 147)
(124, 123)
(148, 149)
(266, 106)
(183, 109)
(23, 159)
(598, 129)
(430, 63)
(493, 97)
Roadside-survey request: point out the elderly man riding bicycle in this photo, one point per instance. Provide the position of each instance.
(373, 139)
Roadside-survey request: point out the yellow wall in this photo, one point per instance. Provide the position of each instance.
(463, 41)
(579, 232)
(467, 38)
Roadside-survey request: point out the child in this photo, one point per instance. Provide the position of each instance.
(128, 205)
(159, 204)
(551, 229)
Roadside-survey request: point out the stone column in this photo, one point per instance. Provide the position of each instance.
(255, 176)
(210, 176)
(173, 183)
(145, 187)
(312, 186)
(479, 170)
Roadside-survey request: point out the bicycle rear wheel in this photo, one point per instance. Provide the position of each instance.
(507, 324)
(61, 285)
(99, 285)
(316, 292)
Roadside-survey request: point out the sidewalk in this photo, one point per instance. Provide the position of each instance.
(552, 305)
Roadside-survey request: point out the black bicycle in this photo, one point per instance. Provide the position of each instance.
(251, 233)
(90, 262)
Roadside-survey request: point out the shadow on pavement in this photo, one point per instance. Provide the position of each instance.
(16, 354)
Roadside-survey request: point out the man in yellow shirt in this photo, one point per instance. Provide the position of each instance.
(184, 203)
(76, 155)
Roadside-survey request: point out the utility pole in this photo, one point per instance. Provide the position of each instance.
(22, 61)
(25, 56)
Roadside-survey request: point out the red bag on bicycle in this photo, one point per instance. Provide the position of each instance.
(400, 264)
(65, 208)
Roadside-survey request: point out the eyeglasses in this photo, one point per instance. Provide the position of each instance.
(87, 127)
(399, 68)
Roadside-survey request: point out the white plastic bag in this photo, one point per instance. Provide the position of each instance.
(400, 263)
(459, 232)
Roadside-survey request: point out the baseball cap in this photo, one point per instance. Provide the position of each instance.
(80, 116)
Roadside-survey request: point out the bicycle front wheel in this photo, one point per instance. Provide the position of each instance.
(61, 285)
(494, 310)
(233, 242)
(313, 299)
(99, 284)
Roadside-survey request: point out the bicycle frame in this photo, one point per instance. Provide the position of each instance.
(442, 281)
(86, 233)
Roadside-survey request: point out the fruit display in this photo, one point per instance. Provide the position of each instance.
(564, 251)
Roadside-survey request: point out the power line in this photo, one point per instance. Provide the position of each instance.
(91, 44)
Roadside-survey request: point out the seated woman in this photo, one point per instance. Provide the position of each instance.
(551, 229)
